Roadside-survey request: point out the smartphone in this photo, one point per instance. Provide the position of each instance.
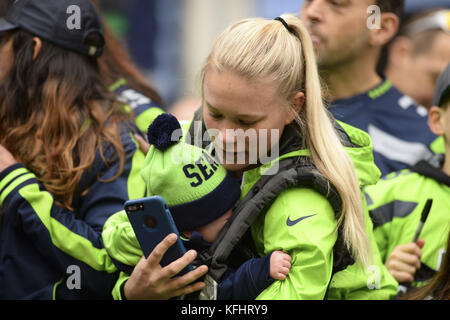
(152, 222)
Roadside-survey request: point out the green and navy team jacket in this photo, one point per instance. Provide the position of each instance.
(50, 253)
(47, 252)
(396, 205)
(397, 125)
(142, 107)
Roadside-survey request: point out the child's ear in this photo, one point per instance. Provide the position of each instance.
(435, 117)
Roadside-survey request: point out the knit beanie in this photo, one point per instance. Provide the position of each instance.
(196, 188)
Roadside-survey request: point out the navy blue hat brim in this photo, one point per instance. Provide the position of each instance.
(192, 215)
(442, 87)
(5, 25)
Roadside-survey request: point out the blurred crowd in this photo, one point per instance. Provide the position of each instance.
(194, 25)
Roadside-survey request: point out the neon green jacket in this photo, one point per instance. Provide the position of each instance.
(438, 146)
(310, 242)
(396, 205)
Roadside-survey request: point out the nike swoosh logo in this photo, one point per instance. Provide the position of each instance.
(291, 223)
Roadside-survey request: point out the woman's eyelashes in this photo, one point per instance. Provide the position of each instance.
(246, 122)
(217, 116)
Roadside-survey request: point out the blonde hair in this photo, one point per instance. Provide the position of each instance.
(258, 49)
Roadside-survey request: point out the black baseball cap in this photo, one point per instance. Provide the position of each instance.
(66, 23)
(442, 88)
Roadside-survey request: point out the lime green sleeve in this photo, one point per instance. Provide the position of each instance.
(301, 223)
(120, 240)
(438, 145)
(122, 246)
(117, 290)
(379, 196)
(380, 233)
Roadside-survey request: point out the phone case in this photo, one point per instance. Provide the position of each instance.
(152, 222)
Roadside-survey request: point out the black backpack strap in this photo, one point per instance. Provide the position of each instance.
(254, 203)
(259, 199)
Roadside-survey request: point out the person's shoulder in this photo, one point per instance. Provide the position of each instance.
(398, 178)
(394, 185)
(142, 107)
(403, 103)
(130, 96)
(401, 117)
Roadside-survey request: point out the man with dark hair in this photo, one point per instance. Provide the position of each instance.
(394, 6)
(419, 53)
(349, 36)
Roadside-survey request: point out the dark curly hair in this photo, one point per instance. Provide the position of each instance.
(56, 113)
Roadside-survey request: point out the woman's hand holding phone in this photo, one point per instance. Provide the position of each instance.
(150, 281)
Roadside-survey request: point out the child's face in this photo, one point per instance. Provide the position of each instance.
(211, 231)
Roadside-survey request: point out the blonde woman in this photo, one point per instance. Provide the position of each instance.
(261, 77)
